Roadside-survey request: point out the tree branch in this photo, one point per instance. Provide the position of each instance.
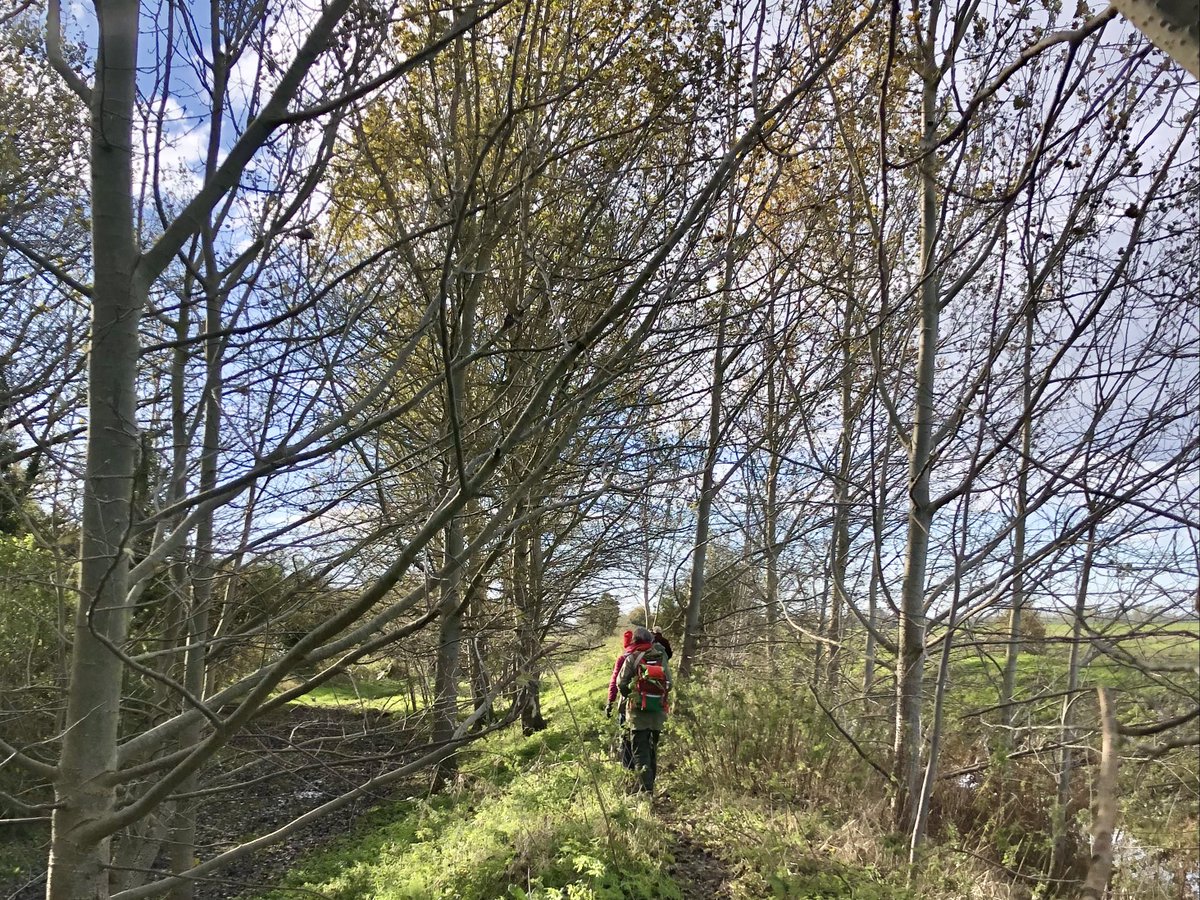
(54, 53)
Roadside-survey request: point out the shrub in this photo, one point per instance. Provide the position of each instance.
(745, 732)
(30, 657)
(29, 644)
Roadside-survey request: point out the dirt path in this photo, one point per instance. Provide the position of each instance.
(700, 873)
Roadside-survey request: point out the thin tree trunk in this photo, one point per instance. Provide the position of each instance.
(1068, 734)
(910, 661)
(823, 598)
(771, 440)
(841, 508)
(646, 555)
(458, 347)
(943, 679)
(183, 832)
(531, 620)
(1009, 683)
(876, 567)
(446, 669)
(1105, 821)
(691, 634)
(921, 817)
(771, 521)
(481, 680)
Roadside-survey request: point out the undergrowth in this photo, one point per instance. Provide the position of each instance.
(758, 775)
(548, 817)
(539, 817)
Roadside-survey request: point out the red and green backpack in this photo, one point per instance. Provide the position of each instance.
(650, 686)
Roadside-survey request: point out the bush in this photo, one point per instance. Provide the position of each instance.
(30, 657)
(29, 644)
(745, 732)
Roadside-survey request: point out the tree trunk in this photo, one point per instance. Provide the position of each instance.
(1171, 25)
(691, 634)
(910, 661)
(771, 519)
(823, 598)
(869, 662)
(183, 833)
(1068, 734)
(1105, 821)
(457, 348)
(481, 680)
(921, 817)
(841, 510)
(1009, 684)
(84, 791)
(445, 689)
(530, 697)
(917, 836)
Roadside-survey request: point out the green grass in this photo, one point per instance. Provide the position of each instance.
(780, 853)
(344, 691)
(541, 817)
(547, 817)
(755, 774)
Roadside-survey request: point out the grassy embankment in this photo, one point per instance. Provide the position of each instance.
(548, 816)
(757, 776)
(528, 817)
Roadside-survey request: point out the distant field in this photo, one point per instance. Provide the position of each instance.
(380, 694)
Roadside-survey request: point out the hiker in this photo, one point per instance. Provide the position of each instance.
(645, 682)
(660, 638)
(624, 749)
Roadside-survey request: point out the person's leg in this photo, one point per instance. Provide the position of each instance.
(652, 768)
(643, 755)
(627, 759)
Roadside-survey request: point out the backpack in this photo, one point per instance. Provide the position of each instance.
(650, 687)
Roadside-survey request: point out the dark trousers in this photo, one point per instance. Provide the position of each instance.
(645, 757)
(625, 748)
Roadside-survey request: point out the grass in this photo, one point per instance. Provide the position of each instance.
(345, 691)
(547, 816)
(544, 816)
(756, 774)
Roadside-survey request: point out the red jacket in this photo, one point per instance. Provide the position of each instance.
(626, 640)
(612, 682)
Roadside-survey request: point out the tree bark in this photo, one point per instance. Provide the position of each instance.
(1068, 735)
(1104, 823)
(691, 634)
(1013, 651)
(880, 491)
(84, 791)
(910, 661)
(530, 628)
(1171, 25)
(445, 690)
(841, 505)
(771, 517)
